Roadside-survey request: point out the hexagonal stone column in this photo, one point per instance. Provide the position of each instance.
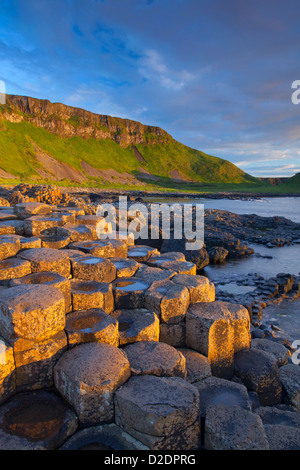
(78, 232)
(290, 379)
(197, 365)
(28, 209)
(13, 268)
(233, 428)
(93, 269)
(136, 325)
(218, 330)
(47, 259)
(129, 292)
(161, 412)
(201, 289)
(92, 294)
(155, 358)
(259, 372)
(97, 248)
(125, 267)
(141, 253)
(93, 325)
(48, 278)
(34, 313)
(168, 300)
(36, 421)
(88, 376)
(35, 361)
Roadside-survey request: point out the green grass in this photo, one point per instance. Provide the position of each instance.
(208, 174)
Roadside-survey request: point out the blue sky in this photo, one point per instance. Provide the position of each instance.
(215, 74)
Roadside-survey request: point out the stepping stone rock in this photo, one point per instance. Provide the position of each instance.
(158, 407)
(199, 287)
(93, 269)
(129, 292)
(136, 325)
(93, 325)
(78, 232)
(150, 274)
(25, 210)
(48, 278)
(125, 267)
(97, 248)
(22, 306)
(233, 428)
(290, 379)
(214, 390)
(91, 294)
(88, 376)
(36, 421)
(197, 365)
(36, 225)
(13, 268)
(218, 330)
(30, 242)
(179, 267)
(54, 241)
(259, 373)
(47, 259)
(155, 358)
(141, 253)
(105, 437)
(279, 351)
(168, 300)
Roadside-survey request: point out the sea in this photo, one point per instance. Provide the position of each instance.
(267, 262)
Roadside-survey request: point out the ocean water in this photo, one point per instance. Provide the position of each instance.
(267, 262)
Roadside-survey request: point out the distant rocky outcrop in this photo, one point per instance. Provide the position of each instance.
(69, 121)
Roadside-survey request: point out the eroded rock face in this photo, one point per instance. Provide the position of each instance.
(88, 376)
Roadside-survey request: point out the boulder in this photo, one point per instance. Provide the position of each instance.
(290, 379)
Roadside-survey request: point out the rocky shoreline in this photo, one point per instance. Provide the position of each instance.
(126, 345)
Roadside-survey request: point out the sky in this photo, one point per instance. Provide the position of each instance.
(215, 74)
